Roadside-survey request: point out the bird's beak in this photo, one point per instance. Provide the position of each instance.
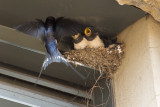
(87, 32)
(75, 36)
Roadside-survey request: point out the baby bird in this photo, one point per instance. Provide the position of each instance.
(69, 34)
(92, 36)
(81, 34)
(79, 41)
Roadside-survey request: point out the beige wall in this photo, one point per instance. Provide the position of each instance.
(136, 83)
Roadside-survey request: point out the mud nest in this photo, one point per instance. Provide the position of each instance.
(101, 59)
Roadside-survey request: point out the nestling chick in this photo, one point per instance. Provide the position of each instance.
(68, 33)
(93, 38)
(79, 41)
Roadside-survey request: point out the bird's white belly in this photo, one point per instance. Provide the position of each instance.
(95, 43)
(81, 45)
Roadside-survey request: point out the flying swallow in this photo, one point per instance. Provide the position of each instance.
(46, 32)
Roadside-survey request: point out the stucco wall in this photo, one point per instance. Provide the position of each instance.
(136, 83)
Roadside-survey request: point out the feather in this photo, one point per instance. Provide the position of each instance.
(35, 28)
(64, 30)
(45, 32)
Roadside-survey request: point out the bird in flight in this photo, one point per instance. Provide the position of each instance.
(45, 31)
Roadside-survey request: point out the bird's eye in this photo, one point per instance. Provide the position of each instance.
(75, 36)
(87, 31)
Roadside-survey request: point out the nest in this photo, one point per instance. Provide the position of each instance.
(101, 59)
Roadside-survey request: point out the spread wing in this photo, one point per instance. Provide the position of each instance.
(35, 28)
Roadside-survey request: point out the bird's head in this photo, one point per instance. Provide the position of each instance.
(50, 21)
(79, 41)
(90, 33)
(77, 38)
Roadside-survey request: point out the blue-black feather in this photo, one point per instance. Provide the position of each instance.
(45, 32)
